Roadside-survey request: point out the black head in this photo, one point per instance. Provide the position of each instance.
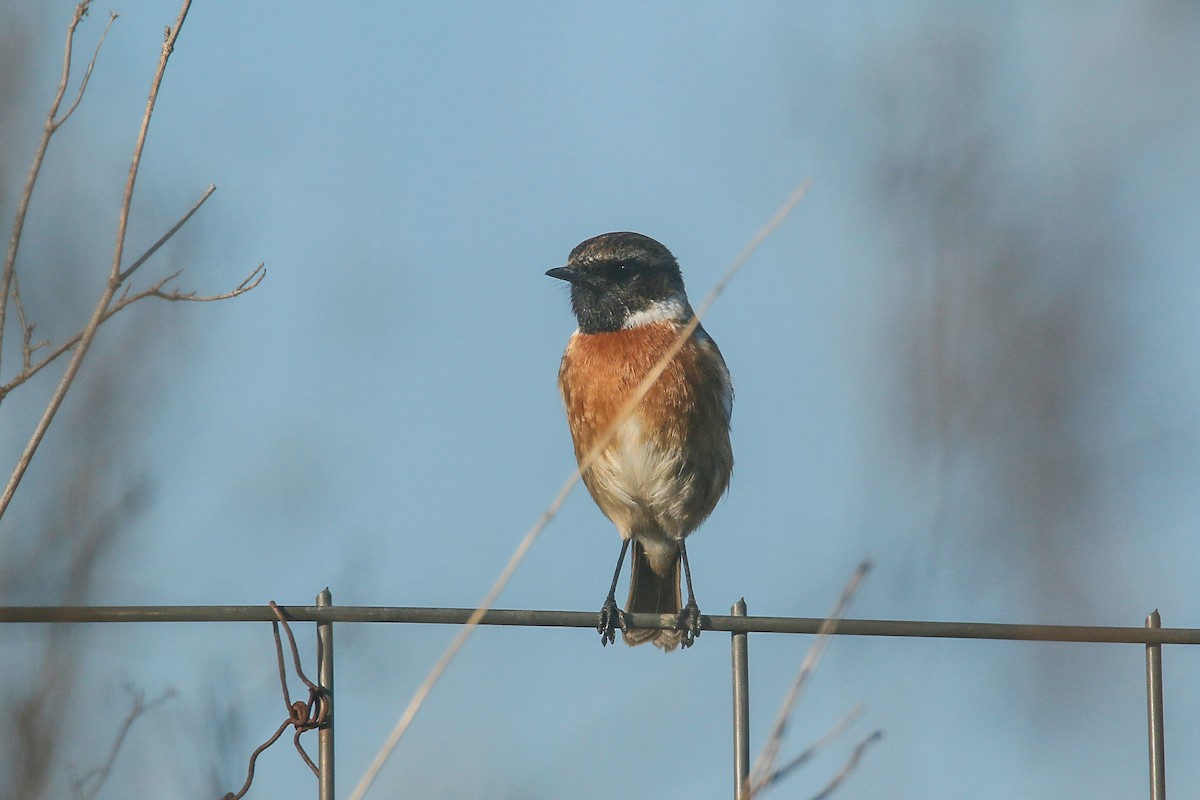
(618, 279)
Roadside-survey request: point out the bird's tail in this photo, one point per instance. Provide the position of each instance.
(653, 593)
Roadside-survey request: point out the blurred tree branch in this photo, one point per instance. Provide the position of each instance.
(82, 516)
(109, 302)
(88, 785)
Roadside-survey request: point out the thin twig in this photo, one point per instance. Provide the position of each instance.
(809, 752)
(113, 283)
(156, 290)
(551, 511)
(764, 766)
(252, 280)
(51, 126)
(28, 348)
(87, 74)
(848, 767)
(124, 276)
(100, 774)
(39, 154)
(135, 163)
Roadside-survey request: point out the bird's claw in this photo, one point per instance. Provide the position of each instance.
(688, 621)
(611, 618)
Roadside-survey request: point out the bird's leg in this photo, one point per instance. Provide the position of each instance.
(689, 617)
(611, 617)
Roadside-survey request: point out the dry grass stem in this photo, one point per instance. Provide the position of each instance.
(809, 752)
(849, 767)
(552, 510)
(764, 772)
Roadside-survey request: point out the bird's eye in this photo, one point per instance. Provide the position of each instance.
(623, 271)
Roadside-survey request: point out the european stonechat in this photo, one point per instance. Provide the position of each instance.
(670, 461)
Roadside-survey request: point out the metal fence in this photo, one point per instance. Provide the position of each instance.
(1153, 636)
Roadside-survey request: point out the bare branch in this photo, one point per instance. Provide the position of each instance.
(252, 280)
(99, 775)
(531, 536)
(135, 163)
(124, 276)
(48, 128)
(87, 75)
(114, 282)
(27, 346)
(124, 301)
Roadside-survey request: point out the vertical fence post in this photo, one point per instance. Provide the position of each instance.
(1154, 712)
(325, 681)
(741, 709)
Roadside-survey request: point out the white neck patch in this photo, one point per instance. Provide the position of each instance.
(673, 309)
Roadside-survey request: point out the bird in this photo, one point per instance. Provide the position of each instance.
(670, 461)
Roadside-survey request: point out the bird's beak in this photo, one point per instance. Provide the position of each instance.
(567, 274)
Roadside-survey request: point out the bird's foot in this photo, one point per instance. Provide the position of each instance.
(688, 621)
(611, 618)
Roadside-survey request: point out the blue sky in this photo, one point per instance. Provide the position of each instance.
(380, 415)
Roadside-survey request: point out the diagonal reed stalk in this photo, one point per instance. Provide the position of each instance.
(419, 697)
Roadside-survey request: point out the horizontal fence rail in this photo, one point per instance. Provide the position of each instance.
(325, 614)
(587, 619)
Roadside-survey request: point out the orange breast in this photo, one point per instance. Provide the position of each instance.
(672, 461)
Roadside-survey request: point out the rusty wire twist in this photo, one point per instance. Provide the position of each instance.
(302, 715)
